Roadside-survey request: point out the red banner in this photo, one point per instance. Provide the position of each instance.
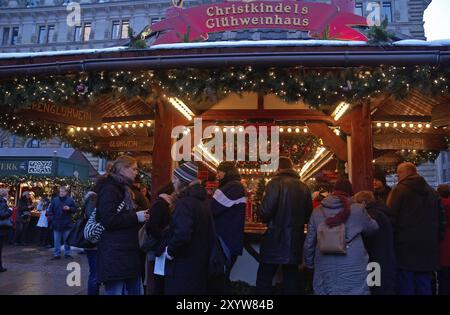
(322, 20)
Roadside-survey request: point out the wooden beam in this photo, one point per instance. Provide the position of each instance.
(330, 139)
(166, 118)
(408, 118)
(260, 101)
(127, 118)
(361, 149)
(269, 114)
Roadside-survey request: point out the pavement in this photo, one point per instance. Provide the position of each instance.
(31, 272)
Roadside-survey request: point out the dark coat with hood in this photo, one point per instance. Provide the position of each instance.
(413, 209)
(228, 209)
(118, 249)
(189, 243)
(286, 207)
(380, 247)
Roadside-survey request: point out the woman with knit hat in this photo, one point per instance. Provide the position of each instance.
(340, 273)
(187, 251)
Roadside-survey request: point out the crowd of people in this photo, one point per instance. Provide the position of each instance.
(404, 231)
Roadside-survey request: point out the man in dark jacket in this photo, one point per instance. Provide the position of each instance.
(380, 189)
(413, 209)
(286, 207)
(228, 209)
(60, 212)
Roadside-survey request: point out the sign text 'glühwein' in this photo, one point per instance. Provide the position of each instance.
(122, 144)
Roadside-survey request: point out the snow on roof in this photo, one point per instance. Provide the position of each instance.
(42, 152)
(58, 52)
(218, 44)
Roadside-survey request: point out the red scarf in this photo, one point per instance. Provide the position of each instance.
(342, 216)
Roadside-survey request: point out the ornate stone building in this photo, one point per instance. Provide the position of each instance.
(40, 25)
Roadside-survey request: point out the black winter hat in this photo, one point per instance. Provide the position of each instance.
(380, 175)
(226, 167)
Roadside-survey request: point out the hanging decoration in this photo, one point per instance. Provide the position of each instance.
(316, 87)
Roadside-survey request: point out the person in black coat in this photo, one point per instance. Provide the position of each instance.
(25, 205)
(286, 208)
(189, 243)
(380, 245)
(413, 207)
(228, 209)
(156, 228)
(5, 214)
(381, 190)
(118, 255)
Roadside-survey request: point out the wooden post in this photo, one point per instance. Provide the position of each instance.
(334, 142)
(166, 118)
(361, 149)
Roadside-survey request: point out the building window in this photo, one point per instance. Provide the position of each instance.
(154, 20)
(5, 37)
(83, 33)
(120, 29)
(42, 34)
(51, 34)
(33, 143)
(32, 3)
(77, 34)
(14, 35)
(358, 8)
(67, 145)
(125, 28)
(46, 34)
(87, 31)
(386, 12)
(1, 144)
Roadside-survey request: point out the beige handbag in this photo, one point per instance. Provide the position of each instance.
(331, 240)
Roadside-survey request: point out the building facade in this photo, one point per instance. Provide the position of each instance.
(41, 25)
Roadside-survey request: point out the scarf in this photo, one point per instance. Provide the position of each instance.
(125, 183)
(342, 216)
(167, 198)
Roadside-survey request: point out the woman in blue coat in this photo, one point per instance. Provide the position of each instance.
(336, 274)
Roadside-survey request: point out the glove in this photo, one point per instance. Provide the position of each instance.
(141, 216)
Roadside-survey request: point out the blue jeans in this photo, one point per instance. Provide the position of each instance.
(414, 282)
(124, 287)
(61, 237)
(93, 287)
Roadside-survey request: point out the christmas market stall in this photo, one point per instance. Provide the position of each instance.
(339, 100)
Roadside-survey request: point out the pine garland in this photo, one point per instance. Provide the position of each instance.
(318, 88)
